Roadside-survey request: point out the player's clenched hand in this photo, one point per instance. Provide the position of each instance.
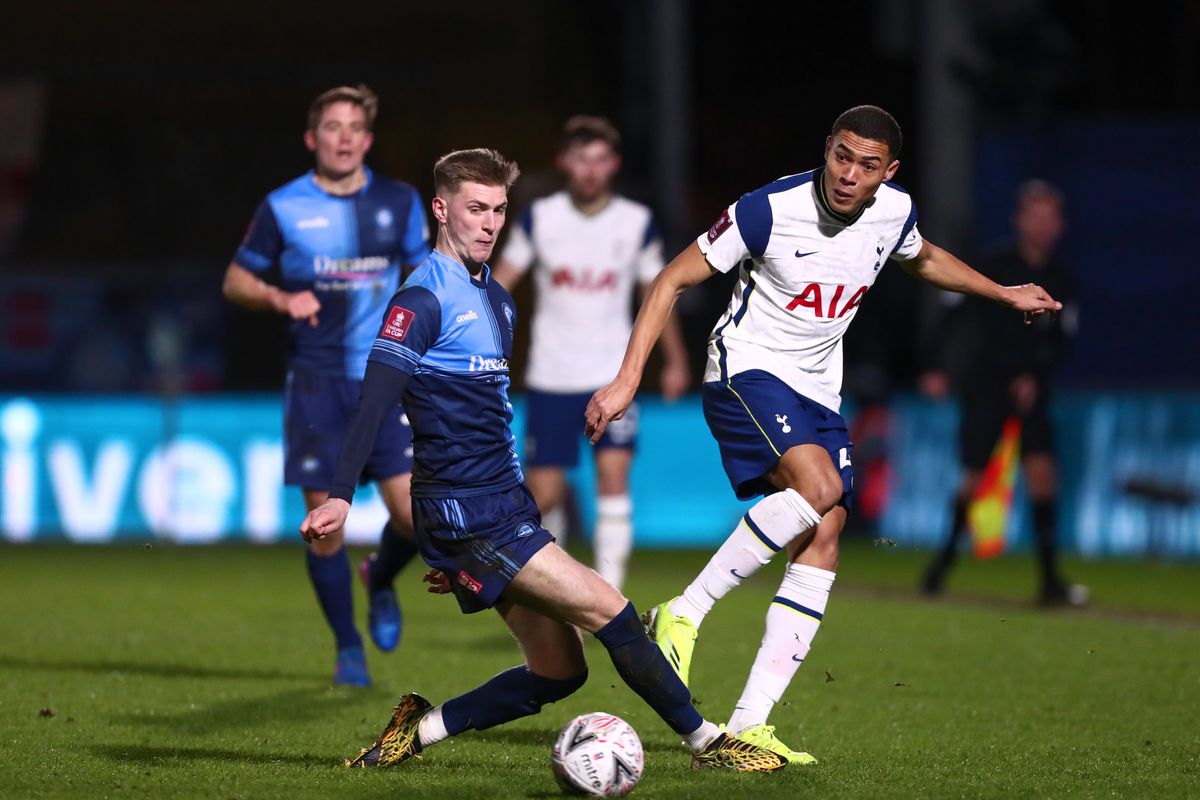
(324, 519)
(607, 404)
(1033, 300)
(302, 305)
(439, 582)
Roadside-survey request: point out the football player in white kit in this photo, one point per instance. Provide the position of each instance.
(591, 249)
(807, 247)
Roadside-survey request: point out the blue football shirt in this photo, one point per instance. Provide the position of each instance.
(349, 251)
(453, 333)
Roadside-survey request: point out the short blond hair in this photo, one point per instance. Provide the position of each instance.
(360, 95)
(478, 165)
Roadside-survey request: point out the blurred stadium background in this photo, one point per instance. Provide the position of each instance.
(137, 139)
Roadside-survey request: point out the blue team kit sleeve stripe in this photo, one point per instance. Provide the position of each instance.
(394, 355)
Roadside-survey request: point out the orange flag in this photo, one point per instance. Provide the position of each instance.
(990, 513)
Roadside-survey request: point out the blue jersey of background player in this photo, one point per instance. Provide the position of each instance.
(444, 348)
(342, 237)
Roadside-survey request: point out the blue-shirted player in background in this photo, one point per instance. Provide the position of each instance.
(444, 348)
(342, 237)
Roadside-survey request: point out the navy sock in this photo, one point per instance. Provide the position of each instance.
(330, 578)
(395, 551)
(512, 694)
(643, 666)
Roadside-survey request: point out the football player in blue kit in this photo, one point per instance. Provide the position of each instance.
(342, 237)
(807, 248)
(444, 348)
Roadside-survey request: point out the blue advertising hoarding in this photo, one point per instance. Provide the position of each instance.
(210, 469)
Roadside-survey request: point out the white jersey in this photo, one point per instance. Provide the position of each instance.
(804, 269)
(587, 267)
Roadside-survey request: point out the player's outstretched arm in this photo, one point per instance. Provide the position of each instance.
(942, 269)
(611, 402)
(243, 287)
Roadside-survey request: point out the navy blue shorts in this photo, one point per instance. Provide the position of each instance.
(316, 412)
(554, 427)
(756, 418)
(480, 542)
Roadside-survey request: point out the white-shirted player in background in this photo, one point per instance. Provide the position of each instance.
(590, 249)
(807, 247)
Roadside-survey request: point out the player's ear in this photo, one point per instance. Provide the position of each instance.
(368, 140)
(310, 141)
(891, 170)
(828, 145)
(439, 209)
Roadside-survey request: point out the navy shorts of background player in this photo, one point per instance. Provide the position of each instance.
(444, 350)
(553, 428)
(756, 418)
(349, 251)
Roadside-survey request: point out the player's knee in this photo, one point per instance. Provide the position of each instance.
(823, 493)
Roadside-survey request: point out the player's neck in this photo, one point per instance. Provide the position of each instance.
(445, 248)
(341, 184)
(593, 205)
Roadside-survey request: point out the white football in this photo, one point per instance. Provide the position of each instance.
(598, 754)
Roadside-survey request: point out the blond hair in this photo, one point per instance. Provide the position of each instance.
(478, 165)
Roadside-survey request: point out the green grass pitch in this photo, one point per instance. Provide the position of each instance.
(163, 672)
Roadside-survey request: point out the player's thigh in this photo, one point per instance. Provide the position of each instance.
(612, 470)
(548, 485)
(396, 495)
(558, 586)
(552, 648)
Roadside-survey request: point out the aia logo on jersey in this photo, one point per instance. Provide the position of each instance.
(587, 280)
(398, 321)
(720, 226)
(811, 298)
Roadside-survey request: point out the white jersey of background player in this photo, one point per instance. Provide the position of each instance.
(808, 248)
(590, 249)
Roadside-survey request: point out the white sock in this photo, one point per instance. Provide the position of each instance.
(792, 621)
(702, 737)
(555, 521)
(765, 529)
(614, 536)
(431, 729)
